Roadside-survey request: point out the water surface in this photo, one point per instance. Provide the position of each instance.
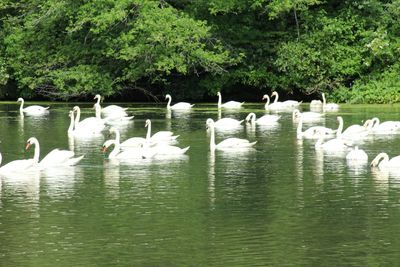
(281, 204)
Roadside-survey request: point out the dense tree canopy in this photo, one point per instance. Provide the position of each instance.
(72, 48)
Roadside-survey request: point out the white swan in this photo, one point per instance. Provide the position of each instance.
(287, 103)
(56, 157)
(16, 166)
(333, 145)
(357, 155)
(159, 136)
(229, 104)
(133, 142)
(177, 106)
(266, 106)
(32, 110)
(91, 125)
(166, 150)
(113, 110)
(315, 104)
(306, 116)
(264, 120)
(354, 131)
(313, 132)
(230, 143)
(135, 153)
(387, 127)
(227, 124)
(385, 163)
(113, 119)
(328, 106)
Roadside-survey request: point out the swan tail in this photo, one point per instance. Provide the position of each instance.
(185, 149)
(253, 143)
(174, 137)
(240, 122)
(74, 161)
(191, 105)
(46, 108)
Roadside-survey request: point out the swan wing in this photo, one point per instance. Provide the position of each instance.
(181, 105)
(232, 104)
(235, 143)
(17, 166)
(56, 157)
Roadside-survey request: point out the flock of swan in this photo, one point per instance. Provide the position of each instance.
(162, 143)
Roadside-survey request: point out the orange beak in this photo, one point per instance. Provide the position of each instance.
(104, 149)
(27, 146)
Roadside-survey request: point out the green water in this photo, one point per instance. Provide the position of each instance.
(281, 204)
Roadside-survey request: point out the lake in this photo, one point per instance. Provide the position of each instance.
(279, 204)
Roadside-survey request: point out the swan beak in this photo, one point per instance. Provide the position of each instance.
(104, 149)
(27, 146)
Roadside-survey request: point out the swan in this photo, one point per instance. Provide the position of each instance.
(111, 109)
(355, 130)
(160, 136)
(385, 163)
(229, 104)
(357, 155)
(328, 106)
(264, 120)
(333, 145)
(227, 123)
(90, 125)
(230, 143)
(177, 106)
(288, 103)
(56, 157)
(387, 127)
(32, 110)
(113, 119)
(16, 165)
(133, 153)
(266, 106)
(133, 142)
(166, 150)
(306, 116)
(313, 132)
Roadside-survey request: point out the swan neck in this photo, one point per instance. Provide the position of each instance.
(323, 99)
(169, 102)
(36, 154)
(276, 97)
(98, 111)
(98, 100)
(148, 135)
(219, 100)
(1, 158)
(117, 137)
(340, 127)
(78, 116)
(267, 103)
(115, 151)
(21, 107)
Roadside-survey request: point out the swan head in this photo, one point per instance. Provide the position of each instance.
(20, 99)
(167, 96)
(218, 93)
(148, 122)
(30, 142)
(265, 97)
(107, 144)
(209, 122)
(97, 97)
(71, 114)
(377, 159)
(274, 93)
(250, 116)
(339, 119)
(76, 108)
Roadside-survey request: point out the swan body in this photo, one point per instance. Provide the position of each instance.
(313, 132)
(111, 110)
(160, 136)
(230, 143)
(306, 116)
(113, 119)
(357, 155)
(32, 110)
(316, 104)
(90, 125)
(387, 127)
(16, 166)
(264, 120)
(168, 150)
(287, 103)
(382, 161)
(354, 131)
(333, 145)
(227, 123)
(56, 157)
(229, 104)
(177, 106)
(136, 153)
(133, 142)
(328, 106)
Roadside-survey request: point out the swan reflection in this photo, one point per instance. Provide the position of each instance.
(111, 177)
